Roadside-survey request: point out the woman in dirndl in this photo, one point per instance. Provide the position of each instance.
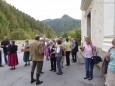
(26, 53)
(12, 55)
(110, 56)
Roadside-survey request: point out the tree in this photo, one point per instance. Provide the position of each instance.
(11, 19)
(78, 35)
(3, 25)
(75, 33)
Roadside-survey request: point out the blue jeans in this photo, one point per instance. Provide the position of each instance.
(58, 59)
(5, 58)
(89, 68)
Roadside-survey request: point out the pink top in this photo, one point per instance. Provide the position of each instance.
(87, 53)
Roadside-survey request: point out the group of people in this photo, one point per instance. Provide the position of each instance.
(67, 48)
(10, 53)
(53, 50)
(56, 51)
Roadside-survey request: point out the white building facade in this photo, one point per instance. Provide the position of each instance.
(98, 21)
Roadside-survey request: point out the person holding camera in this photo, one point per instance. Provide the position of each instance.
(88, 48)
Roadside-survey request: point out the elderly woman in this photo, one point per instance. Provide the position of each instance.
(12, 57)
(26, 53)
(74, 50)
(88, 48)
(59, 51)
(110, 56)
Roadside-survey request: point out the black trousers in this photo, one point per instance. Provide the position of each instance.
(74, 56)
(39, 66)
(67, 57)
(53, 63)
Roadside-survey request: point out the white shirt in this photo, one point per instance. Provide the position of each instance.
(58, 49)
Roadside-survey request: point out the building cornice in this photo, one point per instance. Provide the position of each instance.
(85, 4)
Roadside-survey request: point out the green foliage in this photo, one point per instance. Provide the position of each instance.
(64, 24)
(3, 25)
(11, 19)
(78, 35)
(19, 34)
(75, 33)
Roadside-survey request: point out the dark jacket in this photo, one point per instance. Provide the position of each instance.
(5, 43)
(12, 49)
(51, 54)
(75, 49)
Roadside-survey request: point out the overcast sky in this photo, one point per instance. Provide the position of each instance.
(48, 9)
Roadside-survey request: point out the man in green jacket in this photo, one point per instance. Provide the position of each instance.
(37, 59)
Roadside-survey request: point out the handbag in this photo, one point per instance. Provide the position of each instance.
(96, 59)
(104, 66)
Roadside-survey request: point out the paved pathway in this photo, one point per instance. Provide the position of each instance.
(72, 76)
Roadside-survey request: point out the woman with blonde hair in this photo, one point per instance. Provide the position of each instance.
(110, 56)
(88, 48)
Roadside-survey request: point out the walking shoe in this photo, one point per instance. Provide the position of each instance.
(42, 72)
(1, 66)
(54, 70)
(59, 73)
(32, 78)
(11, 68)
(66, 65)
(85, 77)
(28, 64)
(25, 65)
(89, 78)
(37, 79)
(39, 82)
(14, 68)
(51, 69)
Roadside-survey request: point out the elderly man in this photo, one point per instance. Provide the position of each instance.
(37, 57)
(4, 45)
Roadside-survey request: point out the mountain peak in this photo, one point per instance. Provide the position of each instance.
(66, 16)
(63, 24)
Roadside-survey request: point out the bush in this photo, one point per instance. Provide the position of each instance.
(19, 34)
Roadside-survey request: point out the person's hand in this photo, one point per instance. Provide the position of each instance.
(82, 48)
(6, 46)
(107, 56)
(2, 46)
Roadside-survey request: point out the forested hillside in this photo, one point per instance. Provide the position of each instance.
(64, 24)
(18, 25)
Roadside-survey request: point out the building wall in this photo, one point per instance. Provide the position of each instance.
(83, 25)
(109, 23)
(102, 23)
(97, 22)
